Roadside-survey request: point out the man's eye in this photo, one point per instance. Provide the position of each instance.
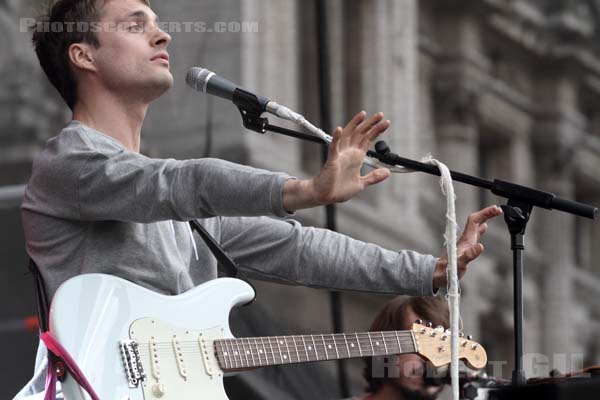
(136, 28)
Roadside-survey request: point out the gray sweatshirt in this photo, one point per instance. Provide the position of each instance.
(92, 206)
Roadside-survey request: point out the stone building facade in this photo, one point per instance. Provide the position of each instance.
(505, 89)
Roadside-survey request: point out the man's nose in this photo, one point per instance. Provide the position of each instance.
(161, 38)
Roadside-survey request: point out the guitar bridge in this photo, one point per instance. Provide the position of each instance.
(134, 370)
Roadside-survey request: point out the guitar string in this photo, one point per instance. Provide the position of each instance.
(298, 352)
(310, 346)
(251, 358)
(255, 349)
(270, 358)
(317, 343)
(335, 338)
(237, 344)
(266, 358)
(329, 344)
(319, 347)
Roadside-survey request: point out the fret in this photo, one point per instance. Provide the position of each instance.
(315, 347)
(325, 347)
(245, 352)
(227, 352)
(238, 352)
(384, 344)
(251, 353)
(287, 356)
(358, 344)
(257, 351)
(279, 342)
(398, 339)
(262, 341)
(371, 341)
(221, 355)
(305, 349)
(337, 353)
(233, 352)
(296, 347)
(278, 350)
(347, 347)
(273, 351)
(224, 352)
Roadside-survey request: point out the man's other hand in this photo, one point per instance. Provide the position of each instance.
(468, 247)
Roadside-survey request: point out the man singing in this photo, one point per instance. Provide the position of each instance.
(94, 204)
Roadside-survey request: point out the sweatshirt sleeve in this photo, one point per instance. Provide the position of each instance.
(286, 252)
(107, 182)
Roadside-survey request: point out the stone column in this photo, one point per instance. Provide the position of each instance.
(554, 135)
(271, 67)
(387, 81)
(557, 246)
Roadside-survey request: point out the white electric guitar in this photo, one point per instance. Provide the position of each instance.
(134, 344)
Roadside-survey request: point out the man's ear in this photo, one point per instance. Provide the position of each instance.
(81, 56)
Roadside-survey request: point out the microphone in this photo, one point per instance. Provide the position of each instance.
(203, 80)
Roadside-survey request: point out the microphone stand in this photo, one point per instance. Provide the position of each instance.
(517, 211)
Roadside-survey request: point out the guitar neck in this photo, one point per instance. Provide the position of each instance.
(242, 353)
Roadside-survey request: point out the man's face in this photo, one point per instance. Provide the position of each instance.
(132, 59)
(412, 368)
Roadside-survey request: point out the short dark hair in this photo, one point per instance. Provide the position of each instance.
(52, 47)
(392, 317)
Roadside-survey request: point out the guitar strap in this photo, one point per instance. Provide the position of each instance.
(230, 267)
(40, 295)
(59, 360)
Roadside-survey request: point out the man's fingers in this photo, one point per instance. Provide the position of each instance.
(485, 214)
(480, 217)
(334, 146)
(357, 119)
(373, 134)
(471, 253)
(376, 176)
(482, 229)
(368, 123)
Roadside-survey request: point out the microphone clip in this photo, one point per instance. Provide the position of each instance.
(251, 111)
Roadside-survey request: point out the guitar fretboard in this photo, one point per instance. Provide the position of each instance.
(242, 353)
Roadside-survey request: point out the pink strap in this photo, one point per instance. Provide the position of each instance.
(56, 348)
(50, 382)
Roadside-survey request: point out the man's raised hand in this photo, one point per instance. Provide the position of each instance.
(339, 179)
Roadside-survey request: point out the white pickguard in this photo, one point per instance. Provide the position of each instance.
(91, 313)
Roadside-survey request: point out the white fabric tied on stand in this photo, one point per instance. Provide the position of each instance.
(453, 288)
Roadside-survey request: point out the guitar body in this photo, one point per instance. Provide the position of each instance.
(92, 314)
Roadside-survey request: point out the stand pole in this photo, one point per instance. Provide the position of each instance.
(518, 374)
(516, 216)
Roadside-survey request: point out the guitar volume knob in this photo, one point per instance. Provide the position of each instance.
(158, 390)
